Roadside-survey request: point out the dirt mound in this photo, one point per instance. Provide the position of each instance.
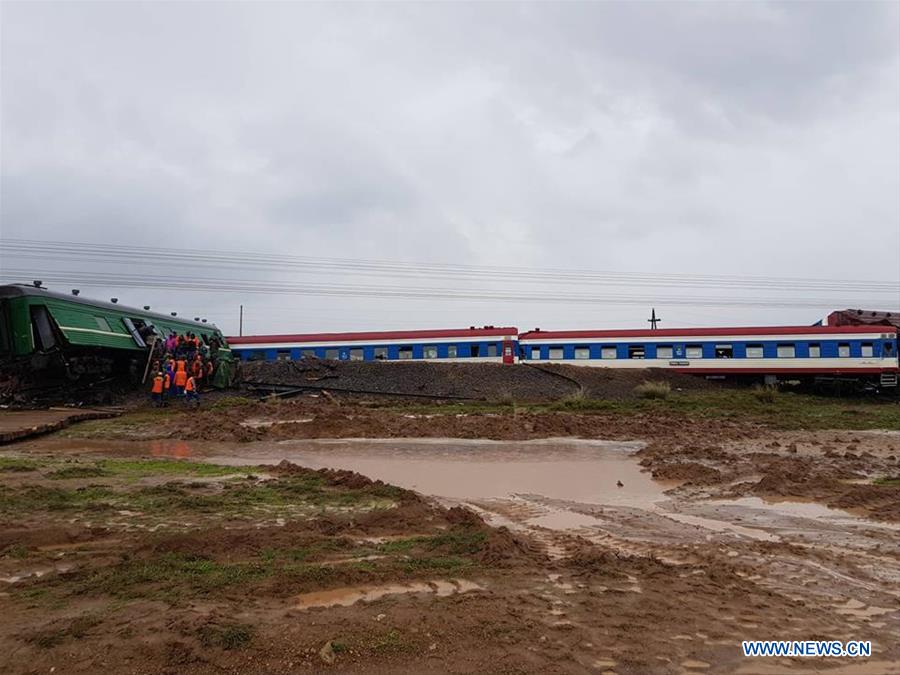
(691, 472)
(483, 381)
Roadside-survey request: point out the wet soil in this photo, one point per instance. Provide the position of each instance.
(654, 543)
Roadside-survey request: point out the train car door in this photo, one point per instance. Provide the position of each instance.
(509, 355)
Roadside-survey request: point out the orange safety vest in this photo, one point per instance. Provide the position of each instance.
(180, 378)
(190, 384)
(157, 385)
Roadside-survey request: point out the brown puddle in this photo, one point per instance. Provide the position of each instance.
(344, 597)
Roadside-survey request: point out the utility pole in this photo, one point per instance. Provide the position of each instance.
(653, 320)
(241, 322)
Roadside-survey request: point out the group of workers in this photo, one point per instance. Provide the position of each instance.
(184, 368)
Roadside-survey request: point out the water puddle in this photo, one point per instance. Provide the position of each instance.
(259, 423)
(344, 597)
(802, 509)
(35, 573)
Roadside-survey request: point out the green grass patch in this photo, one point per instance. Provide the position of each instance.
(16, 465)
(890, 481)
(458, 541)
(40, 498)
(76, 629)
(78, 471)
(143, 468)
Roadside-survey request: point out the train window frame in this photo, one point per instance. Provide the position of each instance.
(535, 354)
(555, 353)
(609, 352)
(429, 352)
(357, 354)
(474, 351)
(307, 353)
(405, 353)
(867, 347)
(380, 353)
(283, 355)
(492, 350)
(887, 350)
(815, 350)
(582, 352)
(843, 350)
(665, 351)
(755, 350)
(452, 351)
(103, 324)
(637, 351)
(786, 350)
(724, 351)
(694, 351)
(256, 355)
(332, 354)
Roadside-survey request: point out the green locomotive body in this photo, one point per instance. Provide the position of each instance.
(46, 329)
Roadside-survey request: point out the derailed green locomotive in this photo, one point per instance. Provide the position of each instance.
(42, 331)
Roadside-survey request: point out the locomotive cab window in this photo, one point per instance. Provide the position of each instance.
(556, 352)
(754, 351)
(102, 324)
(843, 349)
(42, 329)
(582, 352)
(724, 352)
(429, 352)
(405, 353)
(867, 350)
(664, 352)
(608, 352)
(815, 351)
(635, 351)
(380, 353)
(785, 351)
(693, 351)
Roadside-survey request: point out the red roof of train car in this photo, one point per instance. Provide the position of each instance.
(487, 331)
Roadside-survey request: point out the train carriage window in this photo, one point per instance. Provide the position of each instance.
(380, 353)
(608, 352)
(888, 350)
(356, 354)
(556, 352)
(256, 355)
(815, 351)
(42, 328)
(307, 353)
(693, 351)
(724, 352)
(405, 353)
(474, 351)
(754, 351)
(451, 351)
(283, 355)
(844, 350)
(582, 352)
(331, 354)
(536, 353)
(785, 351)
(429, 352)
(635, 351)
(664, 352)
(102, 324)
(492, 350)
(867, 350)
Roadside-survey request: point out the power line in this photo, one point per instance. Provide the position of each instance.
(246, 261)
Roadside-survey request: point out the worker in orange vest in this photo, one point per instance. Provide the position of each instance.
(156, 391)
(191, 393)
(181, 378)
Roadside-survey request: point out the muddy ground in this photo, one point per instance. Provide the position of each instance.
(181, 541)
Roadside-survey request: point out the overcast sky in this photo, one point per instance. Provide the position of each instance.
(747, 138)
